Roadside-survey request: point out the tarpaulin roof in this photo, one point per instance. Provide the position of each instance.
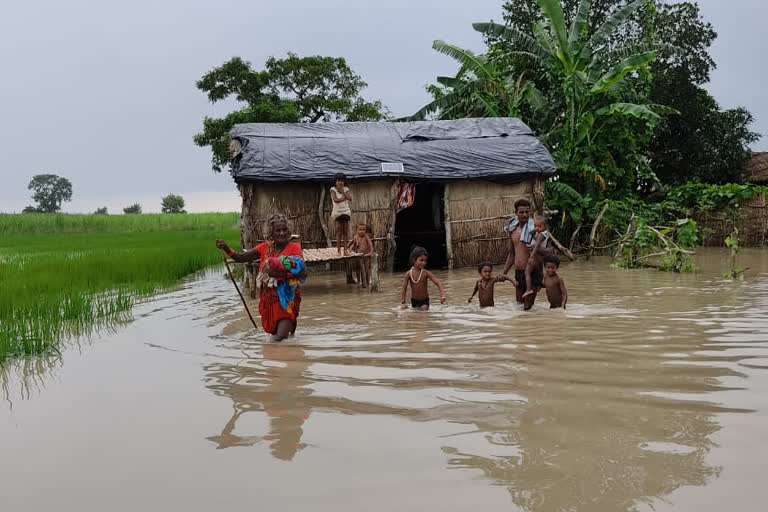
(499, 149)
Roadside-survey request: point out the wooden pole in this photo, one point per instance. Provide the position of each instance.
(448, 234)
(391, 243)
(321, 216)
(245, 305)
(323, 224)
(374, 272)
(537, 194)
(363, 270)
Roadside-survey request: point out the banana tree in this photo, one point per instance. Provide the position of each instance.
(479, 89)
(592, 75)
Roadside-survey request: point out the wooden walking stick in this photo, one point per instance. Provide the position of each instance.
(229, 270)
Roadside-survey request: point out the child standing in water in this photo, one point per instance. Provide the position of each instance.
(533, 270)
(485, 284)
(417, 277)
(361, 243)
(553, 283)
(341, 212)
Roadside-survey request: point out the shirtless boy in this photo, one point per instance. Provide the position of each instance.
(553, 283)
(417, 277)
(361, 243)
(521, 236)
(484, 286)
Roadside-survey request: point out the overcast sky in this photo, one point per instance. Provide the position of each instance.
(103, 92)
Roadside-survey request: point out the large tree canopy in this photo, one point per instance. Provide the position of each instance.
(703, 142)
(50, 191)
(293, 89)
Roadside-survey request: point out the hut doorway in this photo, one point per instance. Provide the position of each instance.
(423, 223)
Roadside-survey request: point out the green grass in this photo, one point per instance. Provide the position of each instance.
(36, 223)
(55, 285)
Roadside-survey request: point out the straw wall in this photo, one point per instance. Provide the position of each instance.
(372, 204)
(751, 218)
(478, 211)
(300, 202)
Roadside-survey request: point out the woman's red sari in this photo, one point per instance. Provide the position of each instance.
(269, 304)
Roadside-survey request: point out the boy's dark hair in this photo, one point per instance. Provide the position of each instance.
(522, 202)
(417, 251)
(552, 258)
(340, 176)
(483, 264)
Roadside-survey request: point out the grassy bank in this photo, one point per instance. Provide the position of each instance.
(56, 284)
(36, 223)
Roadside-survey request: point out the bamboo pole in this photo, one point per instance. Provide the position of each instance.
(321, 216)
(323, 224)
(391, 244)
(464, 221)
(448, 235)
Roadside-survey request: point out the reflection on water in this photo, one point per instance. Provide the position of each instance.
(275, 385)
(617, 404)
(610, 404)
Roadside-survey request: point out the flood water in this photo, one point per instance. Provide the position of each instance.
(649, 393)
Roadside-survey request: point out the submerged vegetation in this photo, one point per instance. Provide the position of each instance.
(54, 285)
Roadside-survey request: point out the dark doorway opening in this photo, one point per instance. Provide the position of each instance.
(423, 223)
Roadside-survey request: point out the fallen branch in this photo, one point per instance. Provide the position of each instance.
(573, 237)
(560, 247)
(624, 239)
(594, 230)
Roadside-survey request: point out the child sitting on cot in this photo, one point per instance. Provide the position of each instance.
(341, 212)
(417, 277)
(539, 249)
(362, 244)
(484, 285)
(553, 283)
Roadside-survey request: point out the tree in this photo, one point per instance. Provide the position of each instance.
(173, 204)
(597, 118)
(30, 209)
(50, 191)
(703, 142)
(101, 211)
(134, 208)
(290, 90)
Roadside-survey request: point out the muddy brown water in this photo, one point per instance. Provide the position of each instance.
(649, 393)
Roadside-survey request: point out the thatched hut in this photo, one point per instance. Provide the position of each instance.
(447, 185)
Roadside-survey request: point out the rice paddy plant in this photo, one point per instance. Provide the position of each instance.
(55, 285)
(35, 223)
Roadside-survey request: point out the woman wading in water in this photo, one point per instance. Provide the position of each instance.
(281, 268)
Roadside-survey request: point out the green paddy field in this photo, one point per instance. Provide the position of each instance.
(61, 274)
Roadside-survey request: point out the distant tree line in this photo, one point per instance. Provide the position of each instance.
(51, 190)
